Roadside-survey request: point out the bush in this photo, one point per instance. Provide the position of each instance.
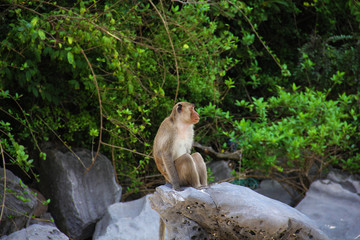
(294, 136)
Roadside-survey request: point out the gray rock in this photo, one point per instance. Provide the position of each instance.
(334, 207)
(227, 211)
(220, 170)
(78, 199)
(348, 182)
(37, 232)
(273, 189)
(134, 220)
(20, 203)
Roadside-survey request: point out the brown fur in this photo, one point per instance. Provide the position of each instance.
(172, 147)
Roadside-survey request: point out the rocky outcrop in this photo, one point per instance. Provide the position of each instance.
(334, 204)
(78, 198)
(134, 220)
(20, 203)
(227, 211)
(37, 232)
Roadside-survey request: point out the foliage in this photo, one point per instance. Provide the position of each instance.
(13, 149)
(325, 63)
(294, 135)
(278, 39)
(103, 75)
(108, 71)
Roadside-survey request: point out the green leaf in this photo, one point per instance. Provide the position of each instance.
(94, 132)
(294, 87)
(70, 58)
(131, 88)
(41, 34)
(70, 40)
(43, 155)
(34, 21)
(46, 202)
(185, 46)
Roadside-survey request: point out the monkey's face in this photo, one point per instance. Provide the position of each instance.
(187, 112)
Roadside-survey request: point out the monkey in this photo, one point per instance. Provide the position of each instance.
(172, 148)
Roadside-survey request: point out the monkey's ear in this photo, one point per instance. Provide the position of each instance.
(179, 108)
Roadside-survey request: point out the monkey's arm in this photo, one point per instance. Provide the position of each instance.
(171, 171)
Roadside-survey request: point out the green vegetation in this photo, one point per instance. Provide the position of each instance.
(294, 135)
(279, 79)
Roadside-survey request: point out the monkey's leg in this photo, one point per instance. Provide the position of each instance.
(187, 171)
(201, 168)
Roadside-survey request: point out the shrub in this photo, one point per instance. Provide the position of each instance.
(295, 135)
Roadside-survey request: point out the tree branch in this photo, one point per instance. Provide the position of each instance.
(126, 149)
(101, 113)
(236, 156)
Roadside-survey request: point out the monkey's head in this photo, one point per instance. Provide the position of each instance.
(185, 112)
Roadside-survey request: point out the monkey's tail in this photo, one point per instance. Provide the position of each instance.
(162, 230)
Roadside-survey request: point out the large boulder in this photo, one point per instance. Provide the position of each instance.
(20, 203)
(281, 192)
(334, 204)
(78, 198)
(134, 220)
(220, 170)
(227, 211)
(37, 232)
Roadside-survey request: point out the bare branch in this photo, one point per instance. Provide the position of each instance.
(236, 156)
(126, 149)
(100, 106)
